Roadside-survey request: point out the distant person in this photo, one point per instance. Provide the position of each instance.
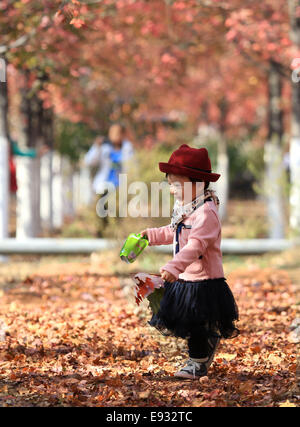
(110, 156)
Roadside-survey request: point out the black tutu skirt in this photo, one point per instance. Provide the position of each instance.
(205, 307)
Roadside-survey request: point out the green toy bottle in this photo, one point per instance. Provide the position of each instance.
(133, 246)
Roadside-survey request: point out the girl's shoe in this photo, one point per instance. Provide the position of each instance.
(192, 370)
(198, 368)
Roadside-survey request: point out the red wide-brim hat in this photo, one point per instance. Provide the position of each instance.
(190, 162)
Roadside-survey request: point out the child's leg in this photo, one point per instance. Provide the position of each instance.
(198, 346)
(201, 348)
(198, 352)
(201, 352)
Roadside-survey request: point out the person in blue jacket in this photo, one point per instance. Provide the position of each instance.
(110, 157)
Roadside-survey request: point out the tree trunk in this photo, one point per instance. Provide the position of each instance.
(47, 174)
(295, 129)
(57, 191)
(76, 191)
(26, 202)
(273, 157)
(222, 185)
(35, 195)
(67, 176)
(86, 195)
(28, 195)
(4, 159)
(46, 191)
(38, 115)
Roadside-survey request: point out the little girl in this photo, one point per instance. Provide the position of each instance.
(197, 304)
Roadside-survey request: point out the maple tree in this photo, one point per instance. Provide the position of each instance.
(182, 50)
(165, 41)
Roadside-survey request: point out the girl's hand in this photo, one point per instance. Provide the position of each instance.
(143, 233)
(168, 277)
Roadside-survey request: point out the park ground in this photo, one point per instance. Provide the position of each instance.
(72, 335)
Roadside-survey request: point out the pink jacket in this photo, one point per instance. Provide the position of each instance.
(202, 240)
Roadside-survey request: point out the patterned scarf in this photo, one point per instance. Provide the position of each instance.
(181, 211)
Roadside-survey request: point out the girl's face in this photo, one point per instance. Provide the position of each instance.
(183, 189)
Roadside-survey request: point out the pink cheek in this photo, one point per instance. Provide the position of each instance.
(177, 192)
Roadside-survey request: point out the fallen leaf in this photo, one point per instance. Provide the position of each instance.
(144, 394)
(287, 404)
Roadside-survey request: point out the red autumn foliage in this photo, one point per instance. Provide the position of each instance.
(145, 284)
(158, 57)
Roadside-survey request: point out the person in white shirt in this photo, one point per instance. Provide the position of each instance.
(110, 157)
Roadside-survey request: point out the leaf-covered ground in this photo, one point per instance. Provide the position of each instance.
(79, 340)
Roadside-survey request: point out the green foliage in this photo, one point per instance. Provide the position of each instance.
(73, 139)
(83, 226)
(146, 164)
(211, 145)
(255, 164)
(155, 298)
(246, 164)
(252, 228)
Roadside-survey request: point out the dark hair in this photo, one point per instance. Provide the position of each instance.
(206, 185)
